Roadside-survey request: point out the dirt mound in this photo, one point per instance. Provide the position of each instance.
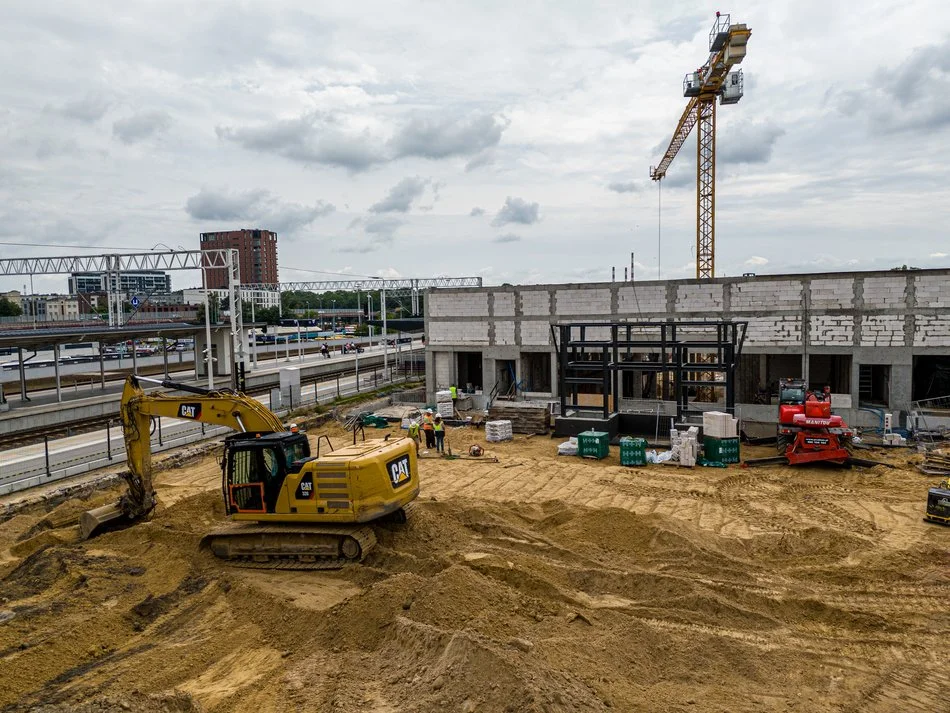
(531, 584)
(138, 702)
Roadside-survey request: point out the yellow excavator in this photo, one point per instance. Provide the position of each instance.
(288, 509)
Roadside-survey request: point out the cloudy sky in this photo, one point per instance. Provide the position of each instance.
(507, 140)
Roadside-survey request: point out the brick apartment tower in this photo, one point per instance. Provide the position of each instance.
(257, 250)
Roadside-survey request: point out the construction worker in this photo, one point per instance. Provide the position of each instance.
(414, 434)
(455, 397)
(439, 429)
(428, 428)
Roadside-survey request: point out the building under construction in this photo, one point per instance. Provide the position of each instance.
(879, 340)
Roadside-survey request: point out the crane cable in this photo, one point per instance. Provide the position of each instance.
(659, 224)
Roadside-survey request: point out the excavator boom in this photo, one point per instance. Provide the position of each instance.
(137, 409)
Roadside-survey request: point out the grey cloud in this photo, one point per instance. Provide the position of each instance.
(383, 225)
(912, 96)
(685, 176)
(401, 196)
(517, 210)
(310, 139)
(443, 137)
(477, 211)
(360, 249)
(89, 109)
(321, 139)
(625, 187)
(683, 28)
(256, 205)
(380, 231)
(485, 158)
(755, 145)
(507, 238)
(48, 147)
(140, 126)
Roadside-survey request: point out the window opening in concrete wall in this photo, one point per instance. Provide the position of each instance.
(505, 382)
(758, 376)
(832, 370)
(536, 371)
(874, 384)
(469, 370)
(931, 377)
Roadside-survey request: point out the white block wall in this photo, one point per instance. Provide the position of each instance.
(884, 292)
(458, 305)
(535, 303)
(931, 331)
(457, 332)
(774, 331)
(575, 302)
(443, 370)
(832, 294)
(535, 333)
(884, 330)
(932, 291)
(504, 332)
(699, 298)
(756, 296)
(828, 330)
(633, 300)
(504, 304)
(598, 333)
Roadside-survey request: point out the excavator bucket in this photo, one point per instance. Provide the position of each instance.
(101, 519)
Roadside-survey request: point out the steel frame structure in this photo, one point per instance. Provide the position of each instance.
(165, 260)
(584, 360)
(414, 285)
(371, 283)
(114, 263)
(725, 40)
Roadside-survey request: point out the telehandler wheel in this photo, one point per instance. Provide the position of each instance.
(781, 443)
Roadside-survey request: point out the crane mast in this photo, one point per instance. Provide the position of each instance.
(727, 47)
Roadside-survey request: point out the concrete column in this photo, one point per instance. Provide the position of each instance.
(102, 369)
(135, 359)
(22, 375)
(59, 390)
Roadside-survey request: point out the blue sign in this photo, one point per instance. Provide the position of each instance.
(134, 301)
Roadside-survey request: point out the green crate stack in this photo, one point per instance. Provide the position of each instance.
(723, 450)
(593, 444)
(633, 451)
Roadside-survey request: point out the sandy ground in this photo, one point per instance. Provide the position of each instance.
(534, 583)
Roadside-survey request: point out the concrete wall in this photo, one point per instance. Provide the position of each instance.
(877, 317)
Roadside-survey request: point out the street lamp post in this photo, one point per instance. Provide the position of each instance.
(334, 316)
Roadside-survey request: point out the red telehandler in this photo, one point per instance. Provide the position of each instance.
(807, 430)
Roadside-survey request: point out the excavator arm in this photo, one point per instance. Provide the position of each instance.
(137, 409)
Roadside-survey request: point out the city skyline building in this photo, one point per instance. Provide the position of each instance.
(257, 255)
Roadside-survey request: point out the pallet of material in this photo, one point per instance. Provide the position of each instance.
(935, 464)
(524, 419)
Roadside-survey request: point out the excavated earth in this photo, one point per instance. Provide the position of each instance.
(534, 583)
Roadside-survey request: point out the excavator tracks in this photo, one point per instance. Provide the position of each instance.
(299, 547)
(291, 546)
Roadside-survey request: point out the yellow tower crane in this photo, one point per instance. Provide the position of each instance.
(727, 47)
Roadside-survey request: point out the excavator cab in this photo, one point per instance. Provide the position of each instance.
(255, 467)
